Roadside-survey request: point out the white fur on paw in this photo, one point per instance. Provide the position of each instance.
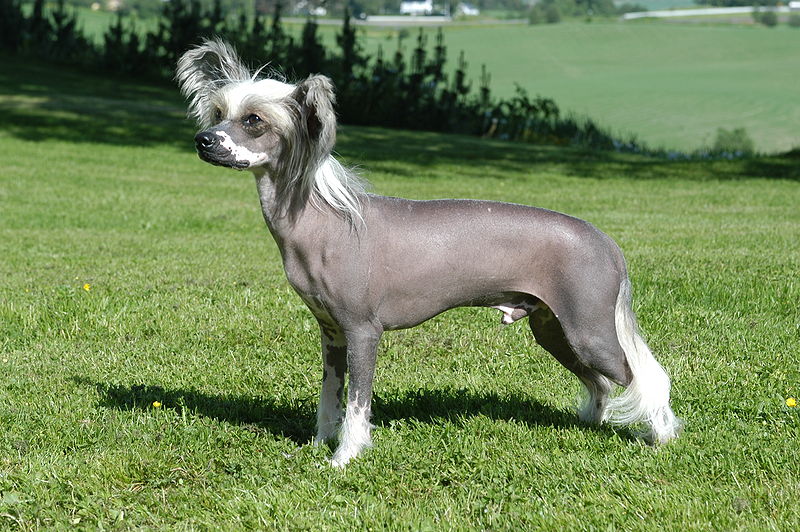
(338, 464)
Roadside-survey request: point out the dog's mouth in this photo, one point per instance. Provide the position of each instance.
(211, 149)
(222, 159)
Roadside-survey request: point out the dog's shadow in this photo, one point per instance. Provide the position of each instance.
(446, 405)
(295, 421)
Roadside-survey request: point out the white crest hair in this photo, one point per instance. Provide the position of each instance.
(305, 120)
(205, 69)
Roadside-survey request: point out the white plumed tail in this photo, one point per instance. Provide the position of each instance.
(646, 399)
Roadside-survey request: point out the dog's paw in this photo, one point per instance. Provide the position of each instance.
(333, 462)
(344, 455)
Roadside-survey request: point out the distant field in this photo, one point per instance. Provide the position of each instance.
(672, 85)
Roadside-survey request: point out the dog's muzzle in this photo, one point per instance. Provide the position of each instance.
(210, 149)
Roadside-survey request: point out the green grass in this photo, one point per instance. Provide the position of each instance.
(187, 305)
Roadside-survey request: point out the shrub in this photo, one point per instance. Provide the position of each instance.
(733, 142)
(536, 15)
(794, 20)
(546, 11)
(552, 15)
(767, 18)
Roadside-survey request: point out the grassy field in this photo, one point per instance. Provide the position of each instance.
(671, 85)
(132, 273)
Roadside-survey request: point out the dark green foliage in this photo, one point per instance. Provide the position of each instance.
(66, 41)
(410, 91)
(552, 14)
(552, 11)
(181, 25)
(352, 55)
(547, 11)
(251, 42)
(794, 20)
(312, 52)
(766, 17)
(121, 51)
(735, 142)
(52, 33)
(630, 8)
(280, 50)
(38, 25)
(11, 25)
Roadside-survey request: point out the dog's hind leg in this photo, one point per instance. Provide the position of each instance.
(354, 436)
(607, 343)
(334, 366)
(549, 334)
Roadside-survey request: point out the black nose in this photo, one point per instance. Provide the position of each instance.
(205, 140)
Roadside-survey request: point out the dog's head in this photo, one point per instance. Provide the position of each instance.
(250, 122)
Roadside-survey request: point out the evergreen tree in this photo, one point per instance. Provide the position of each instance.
(312, 52)
(38, 26)
(11, 25)
(215, 19)
(281, 44)
(67, 41)
(439, 58)
(351, 50)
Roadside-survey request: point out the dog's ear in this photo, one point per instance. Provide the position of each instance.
(315, 99)
(204, 68)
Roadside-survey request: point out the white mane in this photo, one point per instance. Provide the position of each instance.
(339, 187)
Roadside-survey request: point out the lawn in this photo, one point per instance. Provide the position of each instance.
(133, 275)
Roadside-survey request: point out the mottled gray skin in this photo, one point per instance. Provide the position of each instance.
(393, 263)
(411, 260)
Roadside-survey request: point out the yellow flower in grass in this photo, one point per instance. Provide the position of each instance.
(791, 402)
(156, 404)
(87, 287)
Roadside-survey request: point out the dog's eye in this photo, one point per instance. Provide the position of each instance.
(218, 115)
(252, 120)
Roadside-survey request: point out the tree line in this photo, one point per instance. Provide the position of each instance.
(409, 91)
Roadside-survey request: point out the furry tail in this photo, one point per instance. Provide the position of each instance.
(646, 399)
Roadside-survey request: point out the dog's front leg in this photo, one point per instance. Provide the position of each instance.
(334, 366)
(362, 347)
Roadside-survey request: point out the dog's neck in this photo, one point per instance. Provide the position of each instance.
(288, 225)
(278, 221)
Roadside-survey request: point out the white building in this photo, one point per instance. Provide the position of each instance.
(416, 8)
(468, 10)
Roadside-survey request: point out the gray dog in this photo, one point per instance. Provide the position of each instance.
(365, 264)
